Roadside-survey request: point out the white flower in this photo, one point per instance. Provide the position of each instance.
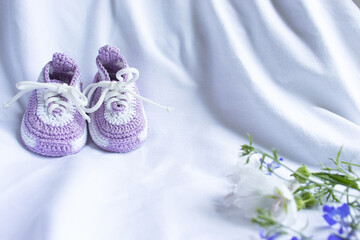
(254, 189)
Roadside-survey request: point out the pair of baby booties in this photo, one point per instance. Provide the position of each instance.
(54, 124)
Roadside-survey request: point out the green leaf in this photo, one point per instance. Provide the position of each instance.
(246, 150)
(275, 153)
(250, 139)
(299, 203)
(338, 179)
(302, 174)
(248, 160)
(338, 156)
(326, 168)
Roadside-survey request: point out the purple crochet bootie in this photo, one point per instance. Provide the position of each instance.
(118, 121)
(54, 122)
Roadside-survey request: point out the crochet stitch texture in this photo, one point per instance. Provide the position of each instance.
(120, 126)
(62, 130)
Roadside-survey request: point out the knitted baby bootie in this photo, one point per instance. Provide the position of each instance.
(118, 121)
(54, 122)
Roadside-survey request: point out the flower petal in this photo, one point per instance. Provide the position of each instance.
(329, 219)
(262, 233)
(344, 210)
(334, 237)
(328, 209)
(274, 236)
(252, 191)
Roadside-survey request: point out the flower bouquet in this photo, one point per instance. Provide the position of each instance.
(273, 200)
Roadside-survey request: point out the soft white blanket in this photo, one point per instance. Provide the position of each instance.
(287, 72)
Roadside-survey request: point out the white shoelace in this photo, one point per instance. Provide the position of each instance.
(53, 95)
(116, 91)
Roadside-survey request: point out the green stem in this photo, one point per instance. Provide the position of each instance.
(284, 179)
(302, 176)
(352, 164)
(319, 194)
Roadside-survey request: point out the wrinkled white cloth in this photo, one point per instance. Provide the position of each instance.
(287, 72)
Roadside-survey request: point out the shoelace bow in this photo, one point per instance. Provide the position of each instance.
(116, 91)
(54, 95)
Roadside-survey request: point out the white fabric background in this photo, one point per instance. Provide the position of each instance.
(287, 72)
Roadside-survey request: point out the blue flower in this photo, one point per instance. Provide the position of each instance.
(329, 216)
(335, 237)
(271, 166)
(337, 215)
(263, 235)
(301, 238)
